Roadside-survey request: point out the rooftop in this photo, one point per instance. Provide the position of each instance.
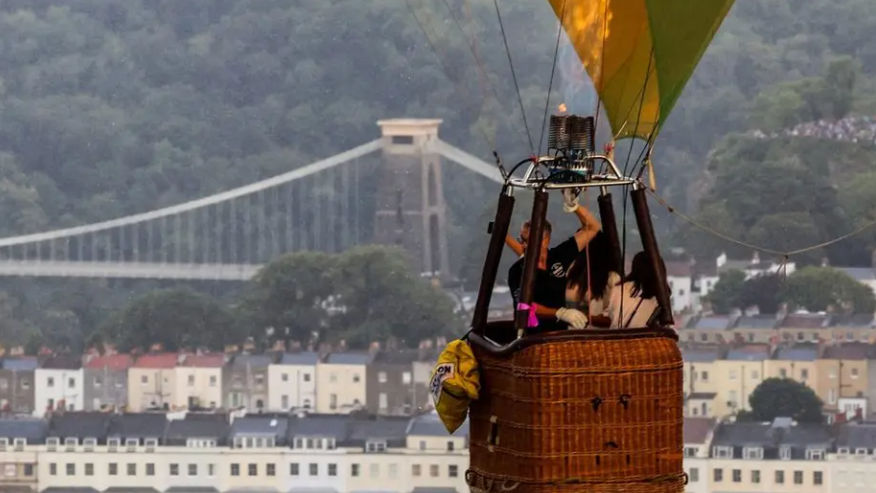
(204, 361)
(115, 362)
(163, 361)
(751, 352)
(20, 364)
(348, 359)
(797, 353)
(305, 358)
(805, 321)
(697, 430)
(62, 362)
(710, 323)
(252, 361)
(757, 322)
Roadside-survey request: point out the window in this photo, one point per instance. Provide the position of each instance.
(314, 469)
(453, 470)
(406, 378)
(694, 475)
(332, 469)
(817, 478)
(293, 469)
(375, 446)
(333, 377)
(284, 377)
(723, 452)
(854, 373)
(50, 382)
(53, 469)
(732, 374)
(71, 469)
(284, 402)
(71, 383)
(718, 475)
(89, 469)
(737, 475)
(860, 451)
(374, 470)
(144, 380)
(393, 471)
(113, 469)
(28, 469)
(416, 470)
(383, 402)
(785, 453)
(783, 373)
(191, 380)
(755, 477)
(333, 401)
(212, 380)
(174, 469)
(434, 470)
(755, 375)
(252, 469)
(422, 444)
(270, 470)
(306, 377)
(381, 376)
(780, 477)
(752, 453)
(235, 469)
(356, 378)
(814, 454)
(354, 470)
(211, 470)
(131, 469)
(804, 373)
(450, 446)
(150, 469)
(193, 469)
(798, 477)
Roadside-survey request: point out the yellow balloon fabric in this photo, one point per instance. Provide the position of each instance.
(640, 53)
(454, 384)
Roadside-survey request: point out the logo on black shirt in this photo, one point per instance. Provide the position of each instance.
(558, 269)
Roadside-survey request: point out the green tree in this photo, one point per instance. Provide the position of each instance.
(726, 295)
(785, 398)
(763, 292)
(175, 318)
(821, 288)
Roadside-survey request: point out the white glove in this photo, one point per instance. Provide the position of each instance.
(575, 318)
(570, 199)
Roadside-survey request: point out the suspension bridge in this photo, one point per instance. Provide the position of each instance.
(387, 191)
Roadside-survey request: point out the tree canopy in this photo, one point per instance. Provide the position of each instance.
(784, 398)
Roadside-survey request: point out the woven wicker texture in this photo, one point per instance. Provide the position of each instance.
(601, 415)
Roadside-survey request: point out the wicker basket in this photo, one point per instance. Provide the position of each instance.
(595, 411)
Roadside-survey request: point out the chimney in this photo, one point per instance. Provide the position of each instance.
(374, 348)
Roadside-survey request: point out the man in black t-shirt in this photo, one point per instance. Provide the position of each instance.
(550, 281)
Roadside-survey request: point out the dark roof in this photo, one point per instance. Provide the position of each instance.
(392, 429)
(709, 323)
(34, 430)
(192, 489)
(853, 320)
(319, 425)
(208, 426)
(404, 357)
(256, 425)
(757, 322)
(805, 321)
(20, 364)
(138, 425)
(62, 362)
(850, 351)
(429, 424)
(854, 435)
(306, 358)
(254, 361)
(771, 436)
(348, 359)
(80, 425)
(701, 355)
(696, 430)
(797, 353)
(752, 352)
(703, 396)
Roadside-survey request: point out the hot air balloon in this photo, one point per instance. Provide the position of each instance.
(591, 410)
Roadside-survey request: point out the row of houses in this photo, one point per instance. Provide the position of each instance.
(778, 329)
(719, 379)
(382, 382)
(779, 456)
(207, 453)
(226, 452)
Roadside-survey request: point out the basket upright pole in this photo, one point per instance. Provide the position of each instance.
(498, 232)
(530, 258)
(649, 244)
(609, 226)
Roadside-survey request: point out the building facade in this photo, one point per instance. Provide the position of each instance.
(292, 381)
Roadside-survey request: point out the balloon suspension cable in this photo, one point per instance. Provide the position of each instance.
(547, 100)
(785, 255)
(466, 94)
(513, 75)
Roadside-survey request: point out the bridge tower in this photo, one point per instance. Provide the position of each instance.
(411, 212)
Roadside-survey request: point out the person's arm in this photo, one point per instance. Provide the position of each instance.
(514, 245)
(589, 227)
